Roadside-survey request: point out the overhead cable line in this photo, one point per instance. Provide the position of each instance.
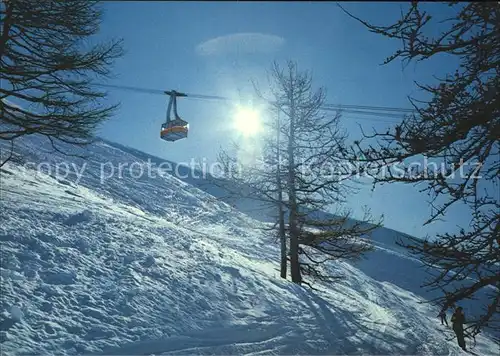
(356, 109)
(381, 108)
(163, 92)
(394, 115)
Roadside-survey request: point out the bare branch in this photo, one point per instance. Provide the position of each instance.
(48, 69)
(458, 130)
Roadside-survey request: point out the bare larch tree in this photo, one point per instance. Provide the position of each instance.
(458, 128)
(317, 181)
(47, 67)
(304, 175)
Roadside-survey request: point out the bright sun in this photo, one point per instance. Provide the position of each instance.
(247, 121)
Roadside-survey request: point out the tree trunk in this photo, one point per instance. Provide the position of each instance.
(294, 239)
(294, 249)
(284, 259)
(4, 36)
(281, 216)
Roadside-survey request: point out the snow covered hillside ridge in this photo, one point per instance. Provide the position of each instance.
(143, 266)
(105, 165)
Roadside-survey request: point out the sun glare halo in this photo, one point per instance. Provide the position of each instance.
(247, 121)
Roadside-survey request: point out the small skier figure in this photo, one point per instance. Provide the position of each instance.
(442, 315)
(458, 320)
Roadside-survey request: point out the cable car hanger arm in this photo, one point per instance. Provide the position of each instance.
(175, 93)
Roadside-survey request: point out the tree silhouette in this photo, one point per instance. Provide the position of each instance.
(458, 128)
(47, 67)
(303, 174)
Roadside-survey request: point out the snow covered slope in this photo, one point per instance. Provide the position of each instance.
(148, 264)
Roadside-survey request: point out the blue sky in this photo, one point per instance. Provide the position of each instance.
(163, 40)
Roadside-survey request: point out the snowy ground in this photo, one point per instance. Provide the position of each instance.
(156, 266)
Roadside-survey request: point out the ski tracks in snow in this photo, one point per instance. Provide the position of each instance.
(119, 269)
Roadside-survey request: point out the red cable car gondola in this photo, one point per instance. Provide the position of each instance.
(176, 129)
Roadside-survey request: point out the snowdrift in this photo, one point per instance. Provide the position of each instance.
(136, 264)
